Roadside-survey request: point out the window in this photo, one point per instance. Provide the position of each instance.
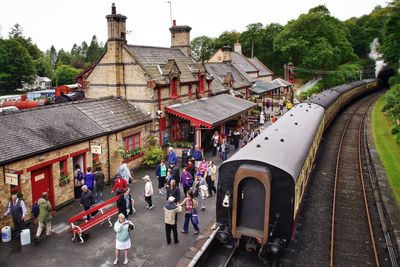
(131, 142)
(174, 88)
(63, 167)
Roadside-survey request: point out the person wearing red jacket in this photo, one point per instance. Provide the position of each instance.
(120, 185)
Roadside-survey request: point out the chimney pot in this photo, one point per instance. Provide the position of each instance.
(113, 9)
(174, 23)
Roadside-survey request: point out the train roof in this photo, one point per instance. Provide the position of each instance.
(325, 98)
(348, 86)
(285, 144)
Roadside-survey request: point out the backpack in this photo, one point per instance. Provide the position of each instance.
(35, 209)
(79, 176)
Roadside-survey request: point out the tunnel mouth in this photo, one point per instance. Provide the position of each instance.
(384, 75)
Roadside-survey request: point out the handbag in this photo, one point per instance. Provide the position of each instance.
(195, 219)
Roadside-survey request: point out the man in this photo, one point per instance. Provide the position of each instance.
(99, 183)
(197, 156)
(89, 179)
(44, 218)
(17, 209)
(175, 174)
(170, 215)
(171, 156)
(86, 199)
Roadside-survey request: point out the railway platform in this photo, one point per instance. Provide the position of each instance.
(149, 246)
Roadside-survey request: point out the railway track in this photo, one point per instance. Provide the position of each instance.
(352, 234)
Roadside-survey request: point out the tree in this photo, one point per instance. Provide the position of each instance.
(16, 65)
(391, 41)
(94, 51)
(17, 34)
(63, 58)
(202, 47)
(44, 67)
(52, 53)
(65, 74)
(304, 34)
(226, 38)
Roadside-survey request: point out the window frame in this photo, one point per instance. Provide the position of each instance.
(63, 171)
(174, 88)
(129, 142)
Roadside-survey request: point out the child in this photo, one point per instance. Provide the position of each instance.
(148, 192)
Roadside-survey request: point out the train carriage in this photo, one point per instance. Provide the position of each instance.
(261, 187)
(270, 174)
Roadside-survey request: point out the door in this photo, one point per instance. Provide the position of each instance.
(41, 182)
(251, 204)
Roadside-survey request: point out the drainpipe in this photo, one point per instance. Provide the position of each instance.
(108, 158)
(159, 108)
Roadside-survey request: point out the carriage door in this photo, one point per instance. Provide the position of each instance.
(41, 182)
(251, 204)
(251, 201)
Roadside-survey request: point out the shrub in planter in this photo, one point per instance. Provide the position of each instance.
(153, 155)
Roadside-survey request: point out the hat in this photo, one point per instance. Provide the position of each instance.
(146, 178)
(171, 199)
(84, 187)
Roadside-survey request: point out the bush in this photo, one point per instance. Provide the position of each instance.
(398, 138)
(153, 155)
(395, 129)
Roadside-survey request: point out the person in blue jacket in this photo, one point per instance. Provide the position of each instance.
(171, 156)
(197, 155)
(89, 179)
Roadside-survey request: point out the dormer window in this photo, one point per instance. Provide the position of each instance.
(174, 88)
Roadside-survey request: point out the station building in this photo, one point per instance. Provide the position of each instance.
(40, 147)
(160, 80)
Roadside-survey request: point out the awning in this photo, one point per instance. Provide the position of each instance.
(261, 87)
(211, 112)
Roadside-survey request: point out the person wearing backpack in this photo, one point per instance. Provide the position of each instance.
(17, 209)
(78, 180)
(44, 218)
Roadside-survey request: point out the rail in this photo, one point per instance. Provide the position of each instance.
(332, 254)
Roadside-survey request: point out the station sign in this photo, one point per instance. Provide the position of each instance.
(95, 149)
(11, 178)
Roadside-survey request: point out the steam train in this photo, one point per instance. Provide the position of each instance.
(261, 187)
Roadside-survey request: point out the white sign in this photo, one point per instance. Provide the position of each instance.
(95, 149)
(39, 177)
(12, 178)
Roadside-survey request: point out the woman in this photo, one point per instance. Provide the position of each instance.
(126, 204)
(215, 140)
(224, 148)
(120, 185)
(173, 191)
(211, 177)
(161, 173)
(190, 203)
(187, 180)
(200, 189)
(123, 237)
(203, 166)
(79, 180)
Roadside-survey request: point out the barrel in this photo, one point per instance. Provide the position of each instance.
(185, 158)
(6, 233)
(25, 237)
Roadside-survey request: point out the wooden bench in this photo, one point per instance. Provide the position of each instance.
(107, 209)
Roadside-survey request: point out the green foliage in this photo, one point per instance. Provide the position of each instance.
(154, 152)
(391, 41)
(65, 74)
(16, 65)
(395, 129)
(43, 66)
(315, 32)
(180, 144)
(94, 51)
(203, 47)
(226, 38)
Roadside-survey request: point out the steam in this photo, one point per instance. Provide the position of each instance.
(376, 56)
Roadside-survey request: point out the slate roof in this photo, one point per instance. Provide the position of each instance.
(204, 111)
(35, 131)
(260, 87)
(155, 58)
(219, 70)
(243, 62)
(262, 69)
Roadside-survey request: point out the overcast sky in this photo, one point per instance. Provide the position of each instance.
(63, 23)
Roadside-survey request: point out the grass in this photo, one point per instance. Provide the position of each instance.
(388, 149)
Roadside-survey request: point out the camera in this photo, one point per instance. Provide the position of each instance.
(226, 201)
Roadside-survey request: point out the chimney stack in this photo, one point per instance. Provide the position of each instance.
(238, 47)
(226, 52)
(180, 37)
(116, 25)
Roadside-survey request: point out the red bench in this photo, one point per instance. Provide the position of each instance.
(107, 210)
